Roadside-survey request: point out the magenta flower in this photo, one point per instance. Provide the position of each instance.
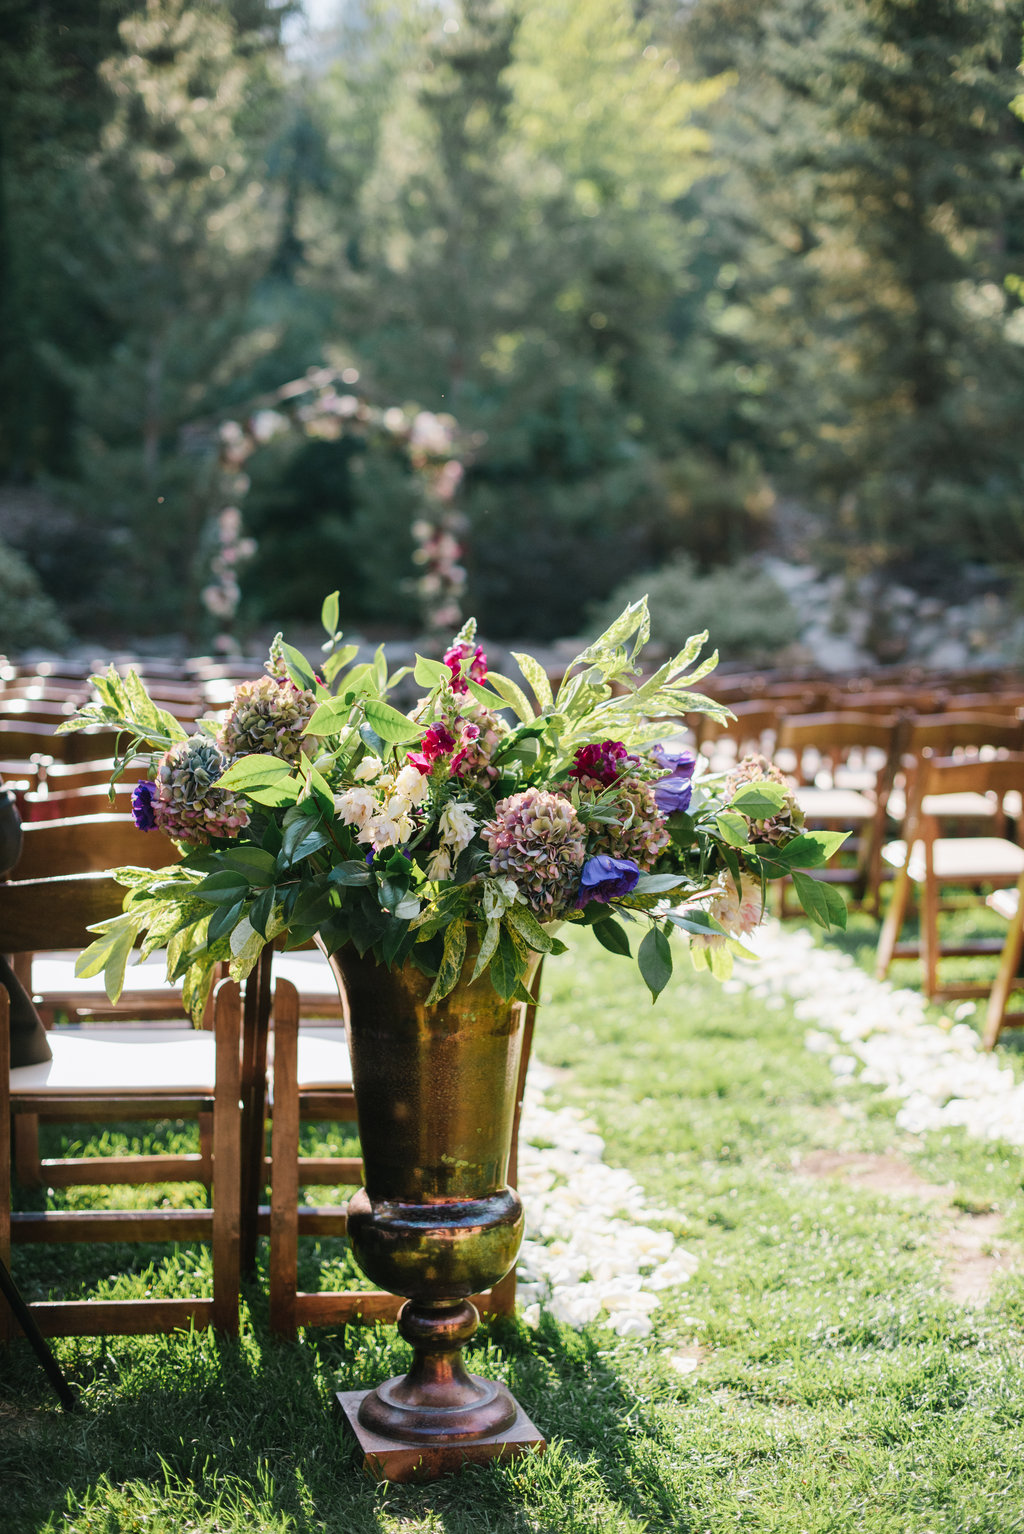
(436, 742)
(605, 761)
(453, 658)
(605, 878)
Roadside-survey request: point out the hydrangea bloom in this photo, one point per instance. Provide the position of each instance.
(537, 840)
(187, 804)
(268, 716)
(639, 833)
(786, 822)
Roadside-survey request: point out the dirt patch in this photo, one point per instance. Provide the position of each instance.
(967, 1243)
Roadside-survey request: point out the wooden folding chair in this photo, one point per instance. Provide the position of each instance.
(312, 1080)
(926, 861)
(102, 1076)
(845, 786)
(1008, 903)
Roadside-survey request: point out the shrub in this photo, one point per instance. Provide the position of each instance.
(28, 617)
(748, 616)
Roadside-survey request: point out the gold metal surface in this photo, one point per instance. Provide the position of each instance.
(435, 1091)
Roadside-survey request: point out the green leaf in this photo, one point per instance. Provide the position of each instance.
(262, 910)
(612, 936)
(734, 829)
(389, 724)
(485, 696)
(330, 718)
(529, 928)
(299, 669)
(487, 947)
(654, 958)
(428, 673)
(508, 964)
(657, 884)
(349, 873)
(255, 771)
(254, 862)
(451, 962)
(330, 612)
(537, 677)
(512, 694)
(822, 902)
(223, 888)
(224, 920)
(760, 801)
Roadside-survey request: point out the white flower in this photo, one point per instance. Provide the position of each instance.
(369, 767)
(412, 785)
(457, 826)
(386, 829)
(355, 806)
(439, 864)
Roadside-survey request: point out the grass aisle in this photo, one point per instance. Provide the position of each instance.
(840, 1386)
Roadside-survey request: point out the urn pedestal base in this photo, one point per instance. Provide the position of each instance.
(390, 1460)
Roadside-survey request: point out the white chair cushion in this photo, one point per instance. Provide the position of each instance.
(151, 1061)
(54, 972)
(839, 804)
(323, 1058)
(967, 806)
(961, 857)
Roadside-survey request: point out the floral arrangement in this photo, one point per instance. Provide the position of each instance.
(475, 822)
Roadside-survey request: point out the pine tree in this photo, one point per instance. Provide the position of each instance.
(515, 263)
(867, 223)
(175, 230)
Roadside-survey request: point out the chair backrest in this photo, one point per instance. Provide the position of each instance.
(89, 844)
(833, 737)
(44, 803)
(55, 913)
(943, 733)
(752, 722)
(959, 775)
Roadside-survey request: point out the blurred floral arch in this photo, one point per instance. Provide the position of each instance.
(321, 405)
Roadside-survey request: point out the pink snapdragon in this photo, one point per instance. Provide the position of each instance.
(453, 658)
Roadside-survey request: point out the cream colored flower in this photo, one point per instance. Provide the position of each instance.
(439, 864)
(412, 785)
(457, 826)
(386, 829)
(355, 806)
(369, 767)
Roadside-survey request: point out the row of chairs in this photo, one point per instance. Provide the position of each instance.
(935, 802)
(126, 1071)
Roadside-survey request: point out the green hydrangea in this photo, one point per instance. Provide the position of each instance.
(187, 804)
(268, 716)
(537, 839)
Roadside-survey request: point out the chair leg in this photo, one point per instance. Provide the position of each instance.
(28, 1164)
(284, 1158)
(893, 924)
(227, 1163)
(930, 931)
(6, 1320)
(1009, 964)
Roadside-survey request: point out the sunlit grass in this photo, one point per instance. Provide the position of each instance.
(839, 1387)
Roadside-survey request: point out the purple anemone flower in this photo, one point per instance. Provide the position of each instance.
(142, 806)
(604, 878)
(673, 794)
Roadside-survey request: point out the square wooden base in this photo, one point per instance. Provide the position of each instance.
(390, 1460)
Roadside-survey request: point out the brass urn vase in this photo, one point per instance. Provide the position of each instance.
(436, 1221)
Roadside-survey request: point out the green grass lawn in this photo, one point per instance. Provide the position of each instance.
(839, 1388)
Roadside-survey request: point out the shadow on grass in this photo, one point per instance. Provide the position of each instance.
(193, 1431)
